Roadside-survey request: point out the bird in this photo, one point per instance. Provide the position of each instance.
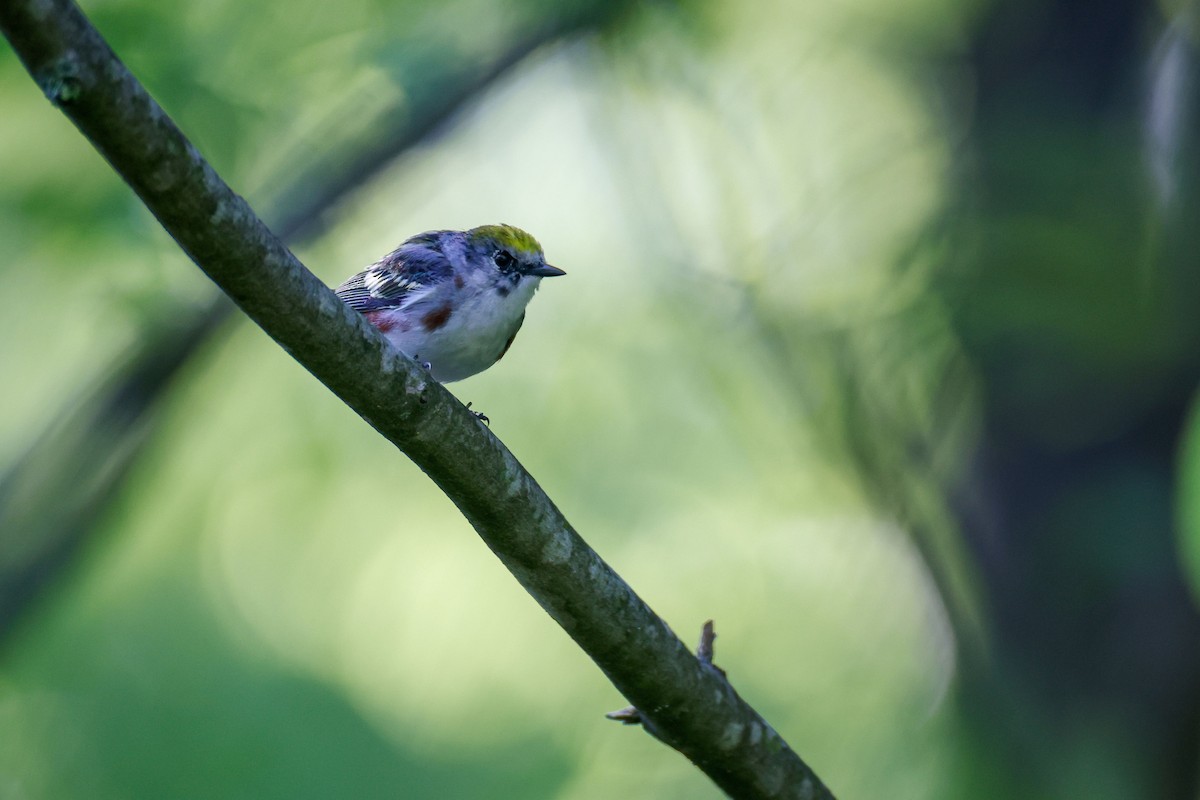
(452, 300)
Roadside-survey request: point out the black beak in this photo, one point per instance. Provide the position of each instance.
(547, 271)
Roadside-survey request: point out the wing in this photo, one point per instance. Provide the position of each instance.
(399, 278)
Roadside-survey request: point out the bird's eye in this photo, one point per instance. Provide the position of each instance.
(503, 259)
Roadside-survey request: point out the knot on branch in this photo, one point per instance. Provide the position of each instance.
(60, 82)
(704, 654)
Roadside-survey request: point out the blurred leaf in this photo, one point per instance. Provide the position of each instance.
(1188, 502)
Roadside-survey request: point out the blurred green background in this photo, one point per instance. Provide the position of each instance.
(879, 346)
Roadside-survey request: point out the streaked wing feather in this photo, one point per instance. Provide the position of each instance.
(399, 278)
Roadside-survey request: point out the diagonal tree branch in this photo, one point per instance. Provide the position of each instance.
(690, 705)
(53, 495)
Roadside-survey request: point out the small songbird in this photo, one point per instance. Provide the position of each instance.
(452, 300)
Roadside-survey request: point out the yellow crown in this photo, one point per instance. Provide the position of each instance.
(508, 237)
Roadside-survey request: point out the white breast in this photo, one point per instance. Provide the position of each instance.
(460, 331)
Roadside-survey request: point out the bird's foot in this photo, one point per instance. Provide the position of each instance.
(480, 416)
